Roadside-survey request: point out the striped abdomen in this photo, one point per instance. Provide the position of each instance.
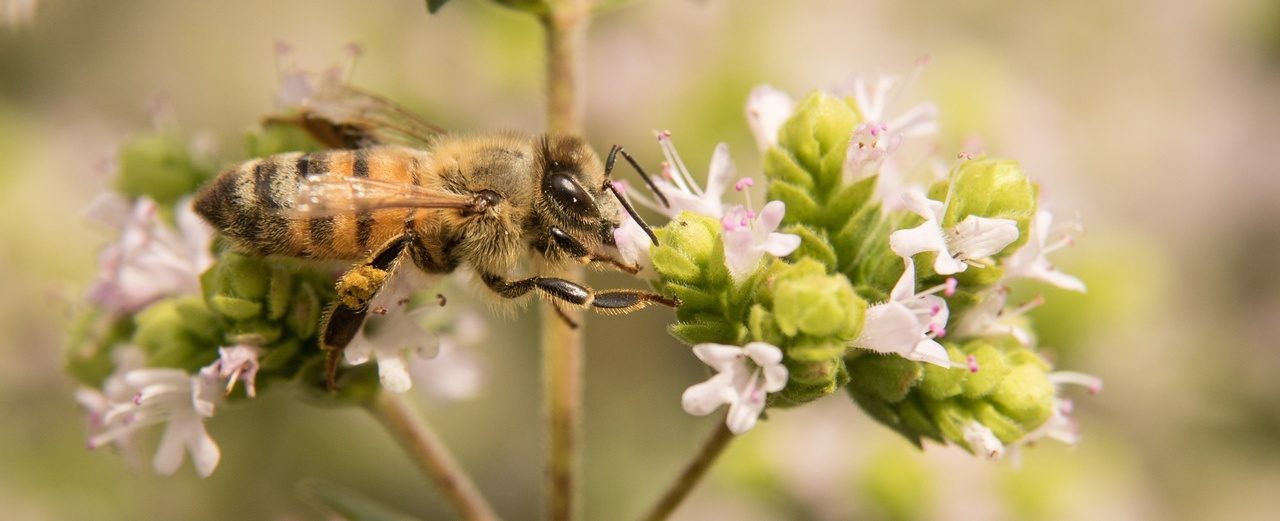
(252, 203)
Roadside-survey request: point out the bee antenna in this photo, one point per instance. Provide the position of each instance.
(613, 157)
(632, 212)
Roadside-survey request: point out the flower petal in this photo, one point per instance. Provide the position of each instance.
(393, 372)
(743, 415)
(926, 237)
(719, 174)
(889, 328)
(720, 357)
(763, 354)
(780, 244)
(929, 351)
(767, 110)
(704, 398)
(981, 237)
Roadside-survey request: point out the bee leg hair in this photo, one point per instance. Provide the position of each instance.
(613, 302)
(355, 289)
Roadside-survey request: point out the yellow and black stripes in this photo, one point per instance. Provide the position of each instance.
(251, 203)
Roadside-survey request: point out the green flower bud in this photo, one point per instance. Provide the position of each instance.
(159, 166)
(178, 332)
(274, 304)
(994, 382)
(995, 189)
(808, 301)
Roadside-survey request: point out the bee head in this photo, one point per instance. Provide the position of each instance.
(575, 197)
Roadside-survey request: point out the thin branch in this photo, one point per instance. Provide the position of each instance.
(422, 444)
(692, 474)
(565, 23)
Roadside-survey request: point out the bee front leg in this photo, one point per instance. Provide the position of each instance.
(613, 302)
(576, 249)
(355, 289)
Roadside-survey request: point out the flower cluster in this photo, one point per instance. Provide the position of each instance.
(860, 274)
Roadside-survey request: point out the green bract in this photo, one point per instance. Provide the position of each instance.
(159, 166)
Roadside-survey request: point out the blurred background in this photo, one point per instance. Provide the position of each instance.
(1157, 121)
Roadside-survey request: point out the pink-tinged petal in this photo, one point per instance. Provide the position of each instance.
(767, 110)
(205, 454)
(743, 415)
(771, 216)
(704, 398)
(931, 352)
(720, 173)
(169, 453)
(981, 237)
(740, 255)
(889, 328)
(926, 237)
(1061, 280)
(780, 244)
(935, 308)
(920, 120)
(719, 356)
(110, 209)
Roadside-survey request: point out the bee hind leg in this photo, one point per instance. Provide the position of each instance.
(355, 289)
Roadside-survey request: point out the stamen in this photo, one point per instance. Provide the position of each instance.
(743, 184)
(973, 363)
(937, 331)
(684, 180)
(1090, 382)
(947, 288)
(1023, 309)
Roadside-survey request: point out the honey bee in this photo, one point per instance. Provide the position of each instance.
(486, 201)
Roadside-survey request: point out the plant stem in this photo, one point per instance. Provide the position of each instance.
(565, 23)
(692, 474)
(402, 420)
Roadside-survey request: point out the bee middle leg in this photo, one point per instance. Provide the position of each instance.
(612, 302)
(355, 289)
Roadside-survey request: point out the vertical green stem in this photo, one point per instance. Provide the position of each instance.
(426, 449)
(692, 474)
(565, 22)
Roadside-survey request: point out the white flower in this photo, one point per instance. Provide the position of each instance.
(151, 260)
(631, 240)
(908, 322)
(747, 237)
(238, 363)
(97, 403)
(455, 374)
(767, 110)
(1029, 261)
(874, 98)
(971, 241)
(744, 376)
(681, 191)
(989, 317)
(171, 396)
(392, 332)
(982, 441)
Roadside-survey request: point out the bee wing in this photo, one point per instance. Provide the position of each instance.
(342, 116)
(321, 195)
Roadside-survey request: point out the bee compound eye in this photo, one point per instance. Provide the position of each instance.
(569, 194)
